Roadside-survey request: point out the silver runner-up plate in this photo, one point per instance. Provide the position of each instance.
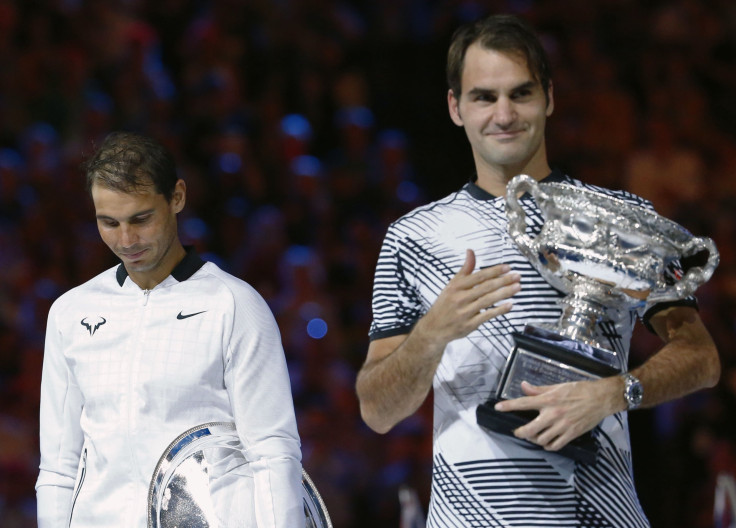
(203, 480)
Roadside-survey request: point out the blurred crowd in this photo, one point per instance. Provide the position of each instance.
(302, 128)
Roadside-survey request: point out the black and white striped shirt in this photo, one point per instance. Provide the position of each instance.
(481, 478)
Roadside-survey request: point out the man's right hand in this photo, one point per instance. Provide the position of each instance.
(397, 374)
(469, 300)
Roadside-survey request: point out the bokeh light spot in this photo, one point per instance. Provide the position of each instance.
(317, 328)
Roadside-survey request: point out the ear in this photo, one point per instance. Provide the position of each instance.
(550, 96)
(453, 105)
(179, 196)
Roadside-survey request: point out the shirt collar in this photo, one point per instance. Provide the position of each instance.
(556, 176)
(187, 267)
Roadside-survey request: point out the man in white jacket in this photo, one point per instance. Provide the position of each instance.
(150, 348)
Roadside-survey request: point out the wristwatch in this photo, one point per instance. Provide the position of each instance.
(633, 391)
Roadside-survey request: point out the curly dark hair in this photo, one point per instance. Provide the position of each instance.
(129, 162)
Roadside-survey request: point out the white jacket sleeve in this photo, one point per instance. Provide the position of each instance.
(61, 437)
(257, 381)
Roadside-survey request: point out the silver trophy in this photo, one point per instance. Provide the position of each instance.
(607, 255)
(203, 480)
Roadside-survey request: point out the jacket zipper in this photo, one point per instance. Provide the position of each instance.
(79, 486)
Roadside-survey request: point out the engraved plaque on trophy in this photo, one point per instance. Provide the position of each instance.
(605, 254)
(203, 480)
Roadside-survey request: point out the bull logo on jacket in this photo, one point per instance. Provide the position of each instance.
(92, 327)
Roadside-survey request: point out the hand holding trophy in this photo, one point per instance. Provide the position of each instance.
(605, 254)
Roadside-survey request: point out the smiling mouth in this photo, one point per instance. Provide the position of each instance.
(133, 256)
(504, 134)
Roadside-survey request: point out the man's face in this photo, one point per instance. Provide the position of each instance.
(140, 228)
(503, 110)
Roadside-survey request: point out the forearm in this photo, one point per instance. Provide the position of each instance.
(398, 373)
(394, 386)
(53, 499)
(687, 363)
(278, 493)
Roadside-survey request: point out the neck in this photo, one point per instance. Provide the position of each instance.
(495, 181)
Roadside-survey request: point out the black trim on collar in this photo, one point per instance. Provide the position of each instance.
(556, 176)
(187, 267)
(121, 274)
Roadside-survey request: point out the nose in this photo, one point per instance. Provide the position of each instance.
(504, 112)
(128, 235)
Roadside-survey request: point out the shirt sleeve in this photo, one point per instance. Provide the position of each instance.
(61, 437)
(397, 305)
(257, 381)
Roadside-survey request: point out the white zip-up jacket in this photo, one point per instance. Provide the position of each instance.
(126, 371)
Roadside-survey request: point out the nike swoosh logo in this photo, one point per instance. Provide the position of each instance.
(180, 316)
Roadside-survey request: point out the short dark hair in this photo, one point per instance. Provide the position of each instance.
(503, 33)
(129, 162)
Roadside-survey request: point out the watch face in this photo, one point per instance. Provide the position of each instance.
(634, 392)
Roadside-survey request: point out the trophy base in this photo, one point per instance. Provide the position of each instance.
(542, 357)
(582, 449)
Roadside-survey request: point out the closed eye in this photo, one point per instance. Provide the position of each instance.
(108, 222)
(140, 219)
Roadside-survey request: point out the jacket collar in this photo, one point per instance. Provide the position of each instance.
(556, 176)
(187, 267)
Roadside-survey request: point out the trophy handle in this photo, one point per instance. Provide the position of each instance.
(696, 275)
(517, 217)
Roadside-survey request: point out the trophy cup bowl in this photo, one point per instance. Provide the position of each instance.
(604, 253)
(203, 480)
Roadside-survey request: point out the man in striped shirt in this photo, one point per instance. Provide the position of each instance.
(443, 316)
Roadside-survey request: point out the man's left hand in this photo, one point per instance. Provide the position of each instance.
(566, 410)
